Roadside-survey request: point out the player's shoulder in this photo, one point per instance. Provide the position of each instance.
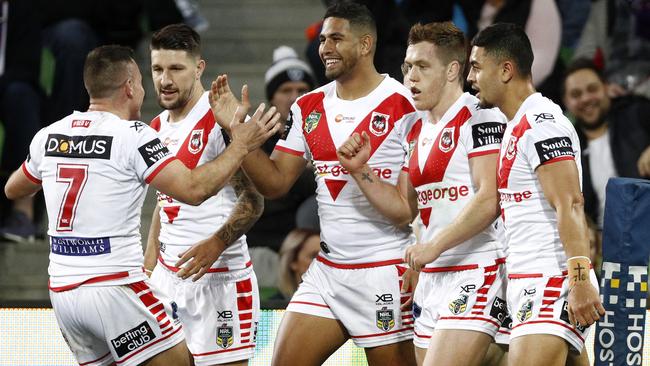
(543, 113)
(482, 115)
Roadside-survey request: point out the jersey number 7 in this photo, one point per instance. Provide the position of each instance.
(75, 176)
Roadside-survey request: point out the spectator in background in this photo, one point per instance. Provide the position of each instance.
(617, 37)
(614, 133)
(543, 26)
(298, 250)
(287, 78)
(20, 105)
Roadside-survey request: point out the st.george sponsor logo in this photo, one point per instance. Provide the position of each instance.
(337, 170)
(153, 151)
(443, 193)
(487, 133)
(554, 147)
(74, 246)
(516, 196)
(89, 147)
(133, 339)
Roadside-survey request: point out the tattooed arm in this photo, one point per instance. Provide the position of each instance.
(247, 211)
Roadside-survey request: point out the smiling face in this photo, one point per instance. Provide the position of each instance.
(586, 98)
(175, 74)
(339, 48)
(484, 78)
(424, 74)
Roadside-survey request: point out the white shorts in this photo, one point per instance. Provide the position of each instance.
(538, 305)
(366, 300)
(126, 324)
(219, 313)
(467, 300)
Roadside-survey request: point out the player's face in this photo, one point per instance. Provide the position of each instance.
(484, 77)
(135, 79)
(174, 74)
(306, 254)
(424, 74)
(586, 97)
(286, 94)
(339, 48)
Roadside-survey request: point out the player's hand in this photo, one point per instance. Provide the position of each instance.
(224, 103)
(409, 283)
(417, 256)
(200, 257)
(644, 163)
(257, 130)
(585, 307)
(355, 152)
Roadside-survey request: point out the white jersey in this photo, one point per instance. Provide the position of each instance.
(196, 140)
(351, 229)
(94, 168)
(440, 173)
(538, 134)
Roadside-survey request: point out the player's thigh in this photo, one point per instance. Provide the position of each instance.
(457, 347)
(419, 354)
(305, 340)
(394, 354)
(496, 355)
(578, 359)
(177, 355)
(538, 350)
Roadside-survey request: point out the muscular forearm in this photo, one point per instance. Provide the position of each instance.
(572, 227)
(263, 171)
(384, 197)
(246, 212)
(153, 244)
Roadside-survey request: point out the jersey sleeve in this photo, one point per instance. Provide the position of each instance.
(411, 142)
(548, 142)
(151, 155)
(484, 133)
(294, 143)
(31, 166)
(216, 143)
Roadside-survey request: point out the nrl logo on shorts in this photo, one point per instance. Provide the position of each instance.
(225, 336)
(385, 319)
(196, 141)
(446, 142)
(511, 150)
(526, 311)
(459, 305)
(312, 121)
(379, 123)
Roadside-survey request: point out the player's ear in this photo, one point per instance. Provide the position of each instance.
(453, 71)
(507, 71)
(129, 87)
(200, 67)
(367, 42)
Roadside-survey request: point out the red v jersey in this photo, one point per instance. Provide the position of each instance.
(353, 230)
(196, 140)
(440, 174)
(539, 134)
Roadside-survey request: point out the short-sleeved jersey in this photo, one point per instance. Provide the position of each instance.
(196, 140)
(538, 134)
(440, 174)
(352, 230)
(94, 168)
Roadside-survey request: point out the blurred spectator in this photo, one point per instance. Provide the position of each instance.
(543, 25)
(20, 104)
(298, 250)
(614, 133)
(286, 79)
(617, 36)
(71, 28)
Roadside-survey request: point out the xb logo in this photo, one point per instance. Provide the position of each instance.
(226, 314)
(468, 288)
(384, 298)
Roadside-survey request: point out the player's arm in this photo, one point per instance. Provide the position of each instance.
(20, 186)
(561, 186)
(479, 212)
(196, 185)
(272, 176)
(247, 210)
(153, 243)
